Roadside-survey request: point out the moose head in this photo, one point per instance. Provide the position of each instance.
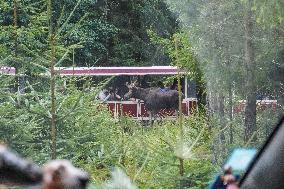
(132, 90)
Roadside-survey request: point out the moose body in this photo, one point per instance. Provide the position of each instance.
(157, 100)
(154, 99)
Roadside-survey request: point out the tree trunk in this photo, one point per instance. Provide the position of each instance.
(51, 40)
(231, 140)
(15, 20)
(212, 107)
(212, 99)
(53, 102)
(201, 90)
(181, 165)
(221, 115)
(250, 111)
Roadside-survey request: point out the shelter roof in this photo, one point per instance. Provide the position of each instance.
(111, 71)
(7, 70)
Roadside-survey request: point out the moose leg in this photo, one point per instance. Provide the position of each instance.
(151, 118)
(159, 119)
(176, 113)
(154, 117)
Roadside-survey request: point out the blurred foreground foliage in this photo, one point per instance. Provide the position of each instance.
(96, 142)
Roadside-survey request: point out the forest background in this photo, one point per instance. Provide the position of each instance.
(233, 50)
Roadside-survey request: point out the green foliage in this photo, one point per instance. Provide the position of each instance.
(269, 13)
(148, 154)
(185, 54)
(112, 32)
(93, 140)
(117, 33)
(131, 45)
(182, 55)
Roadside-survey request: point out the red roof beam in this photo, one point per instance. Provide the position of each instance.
(108, 71)
(7, 70)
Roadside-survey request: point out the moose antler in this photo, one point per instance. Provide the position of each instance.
(131, 85)
(135, 83)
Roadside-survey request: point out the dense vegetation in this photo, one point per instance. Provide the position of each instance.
(233, 50)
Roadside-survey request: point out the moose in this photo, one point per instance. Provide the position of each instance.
(154, 98)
